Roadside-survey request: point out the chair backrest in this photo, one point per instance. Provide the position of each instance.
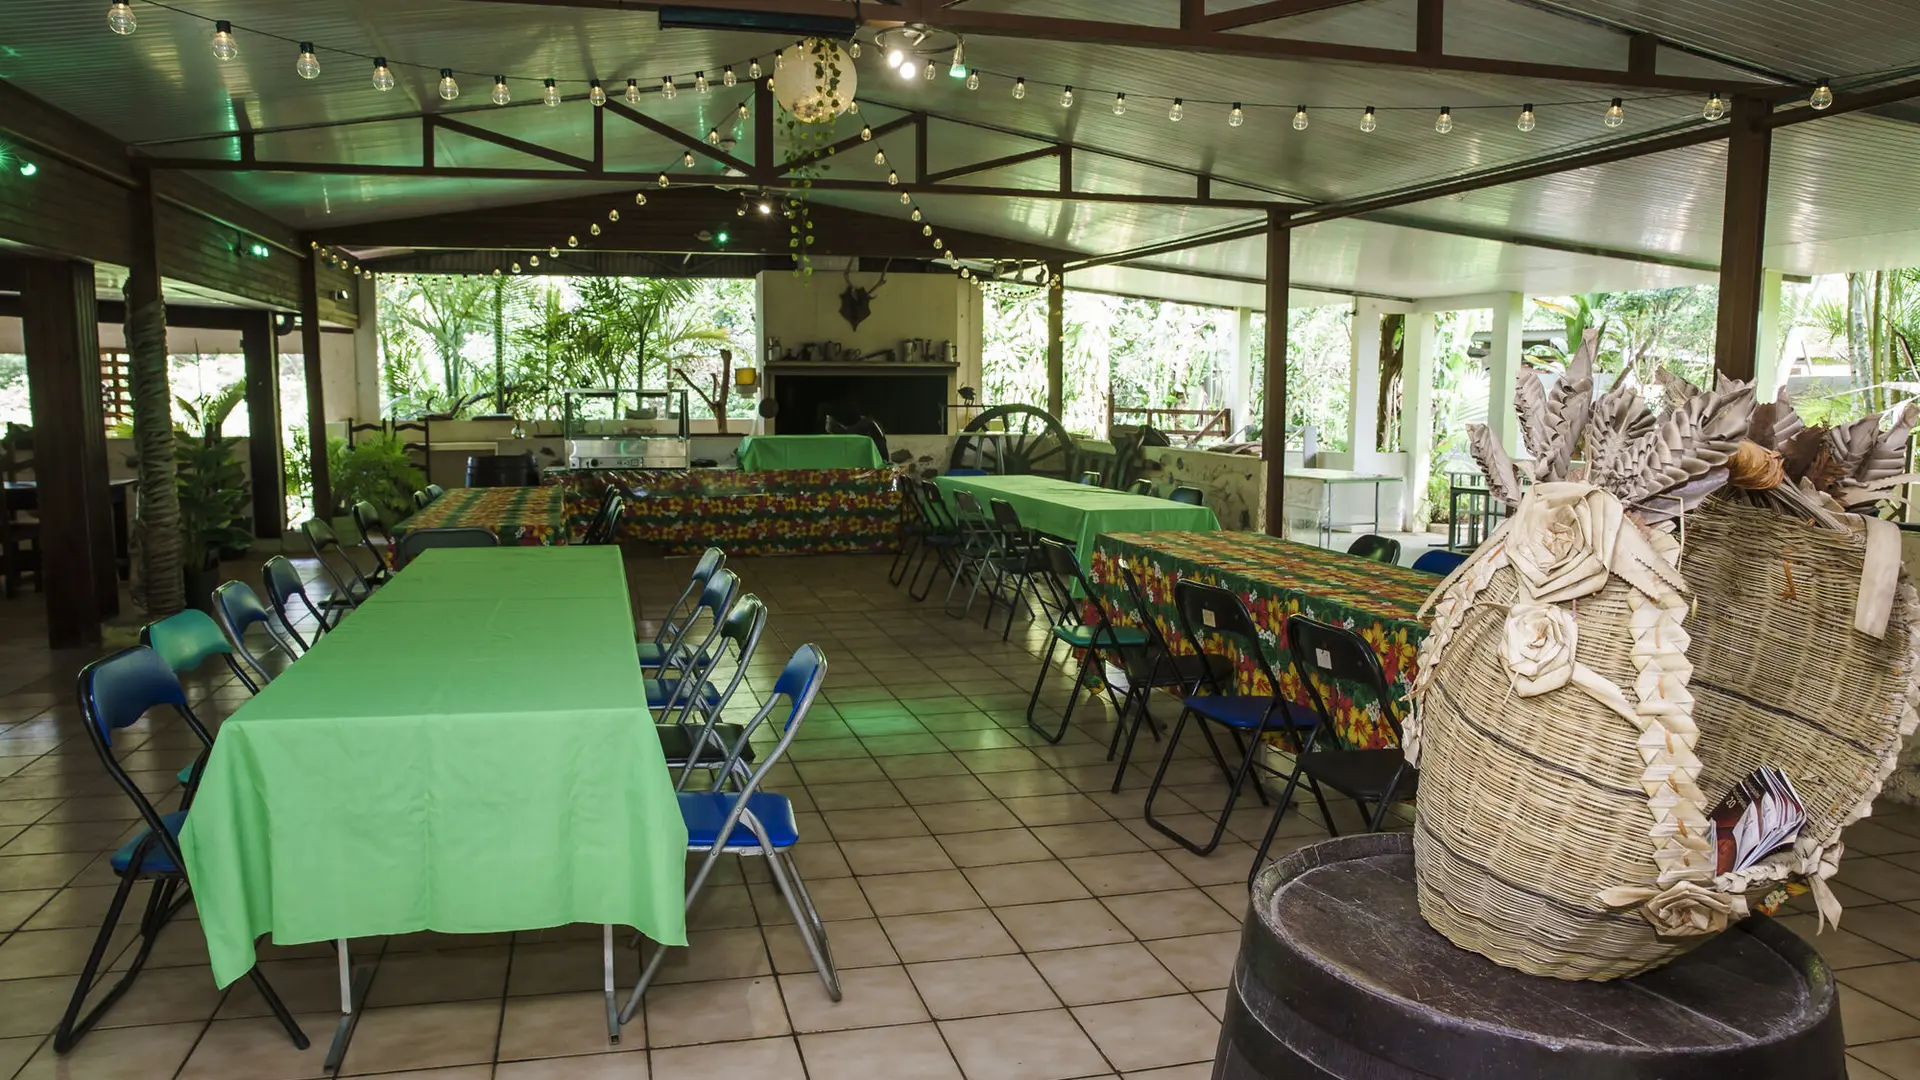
(321, 537)
(936, 506)
(419, 540)
(1090, 478)
(971, 520)
(798, 684)
(1209, 610)
(1067, 579)
(1379, 548)
(421, 499)
(239, 610)
(284, 586)
(117, 690)
(711, 560)
(1439, 561)
(1141, 486)
(1192, 496)
(717, 598)
(366, 518)
(606, 521)
(434, 491)
(1323, 652)
(742, 631)
(186, 639)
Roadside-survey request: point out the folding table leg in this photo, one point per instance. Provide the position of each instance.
(353, 993)
(606, 982)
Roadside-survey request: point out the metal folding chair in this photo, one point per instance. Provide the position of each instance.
(913, 530)
(1439, 561)
(284, 587)
(239, 610)
(716, 599)
(434, 491)
(1192, 496)
(979, 543)
(746, 823)
(189, 638)
(1156, 667)
(606, 522)
(367, 519)
(653, 653)
(944, 541)
(115, 692)
(320, 539)
(1376, 547)
(710, 742)
(1100, 640)
(420, 500)
(1017, 558)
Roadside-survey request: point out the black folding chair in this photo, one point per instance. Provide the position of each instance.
(1192, 496)
(979, 544)
(1383, 549)
(347, 591)
(115, 692)
(1018, 558)
(1141, 486)
(1247, 717)
(1156, 667)
(943, 543)
(1100, 640)
(420, 500)
(1090, 478)
(368, 520)
(1323, 653)
(606, 523)
(284, 588)
(913, 530)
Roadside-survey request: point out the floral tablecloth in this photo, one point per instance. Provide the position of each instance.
(1278, 578)
(779, 512)
(524, 516)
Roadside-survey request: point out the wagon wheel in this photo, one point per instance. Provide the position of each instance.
(1032, 442)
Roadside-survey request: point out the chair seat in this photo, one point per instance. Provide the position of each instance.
(1363, 774)
(653, 655)
(1180, 671)
(706, 811)
(662, 691)
(158, 860)
(676, 743)
(1081, 637)
(1247, 711)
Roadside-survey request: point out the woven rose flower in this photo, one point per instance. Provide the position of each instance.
(1539, 648)
(1683, 909)
(1562, 540)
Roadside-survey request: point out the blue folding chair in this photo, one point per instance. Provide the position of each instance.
(710, 741)
(653, 653)
(191, 638)
(1439, 561)
(239, 610)
(284, 587)
(753, 822)
(716, 599)
(115, 692)
(1247, 717)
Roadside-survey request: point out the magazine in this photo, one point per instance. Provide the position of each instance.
(1762, 814)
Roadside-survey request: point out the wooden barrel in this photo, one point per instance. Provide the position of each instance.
(1338, 976)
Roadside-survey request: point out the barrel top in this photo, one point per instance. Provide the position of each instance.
(1349, 910)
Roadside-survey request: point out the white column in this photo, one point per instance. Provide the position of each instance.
(1503, 363)
(1363, 397)
(1416, 419)
(1240, 371)
(1769, 367)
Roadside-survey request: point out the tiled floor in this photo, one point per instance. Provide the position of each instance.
(996, 914)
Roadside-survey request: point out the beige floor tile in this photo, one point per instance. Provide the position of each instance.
(1102, 973)
(17, 907)
(863, 795)
(561, 1025)
(1840, 948)
(912, 894)
(1139, 871)
(166, 996)
(991, 848)
(15, 1052)
(1900, 1060)
(1025, 883)
(418, 978)
(141, 1053)
(1009, 759)
(32, 1006)
(854, 943)
(706, 1012)
(947, 935)
(932, 790)
(1175, 913)
(1896, 984)
(1228, 863)
(878, 824)
(1868, 1020)
(820, 860)
(845, 771)
(30, 954)
(914, 1052)
(722, 907)
(1067, 924)
(1889, 925)
(921, 766)
(1151, 1032)
(1215, 1001)
(1056, 810)
(1023, 1046)
(1201, 962)
(1029, 781)
(1199, 1070)
(1876, 877)
(423, 1036)
(1087, 839)
(736, 953)
(761, 1059)
(869, 997)
(257, 1048)
(983, 986)
(833, 898)
(563, 966)
(977, 815)
(900, 856)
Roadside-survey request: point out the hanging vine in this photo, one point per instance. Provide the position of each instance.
(814, 86)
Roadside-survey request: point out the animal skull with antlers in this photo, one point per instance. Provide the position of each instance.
(856, 303)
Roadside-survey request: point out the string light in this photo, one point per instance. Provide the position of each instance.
(613, 214)
(893, 177)
(1716, 107)
(926, 230)
(879, 157)
(973, 80)
(308, 66)
(1822, 98)
(553, 252)
(895, 58)
(596, 93)
(905, 198)
(1299, 118)
(916, 213)
(516, 268)
(958, 68)
(853, 49)
(551, 94)
(667, 89)
(448, 88)
(687, 159)
(533, 260)
(1119, 104)
(1616, 114)
(1019, 89)
(1177, 110)
(866, 133)
(1066, 97)
(663, 181)
(501, 95)
(594, 229)
(1444, 123)
(713, 136)
(1368, 121)
(573, 241)
(640, 197)
(727, 77)
(743, 110)
(700, 82)
(928, 71)
(1527, 121)
(908, 68)
(382, 75)
(120, 18)
(224, 47)
(1237, 116)
(753, 69)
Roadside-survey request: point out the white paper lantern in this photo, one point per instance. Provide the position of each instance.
(816, 82)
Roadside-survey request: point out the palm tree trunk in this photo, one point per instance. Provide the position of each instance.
(161, 544)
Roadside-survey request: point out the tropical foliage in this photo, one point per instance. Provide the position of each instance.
(375, 470)
(212, 486)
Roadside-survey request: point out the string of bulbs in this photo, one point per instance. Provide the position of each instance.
(914, 212)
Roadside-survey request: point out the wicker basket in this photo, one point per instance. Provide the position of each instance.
(1561, 835)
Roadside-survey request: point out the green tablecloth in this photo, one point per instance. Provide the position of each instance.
(430, 766)
(766, 453)
(1079, 512)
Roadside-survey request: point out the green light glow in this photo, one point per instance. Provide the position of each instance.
(28, 168)
(721, 237)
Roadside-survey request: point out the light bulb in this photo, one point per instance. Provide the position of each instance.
(1299, 117)
(120, 18)
(866, 133)
(224, 47)
(686, 159)
(1177, 110)
(533, 260)
(501, 95)
(1822, 97)
(937, 243)
(516, 268)
(382, 75)
(895, 58)
(667, 89)
(1066, 97)
(973, 80)
(727, 77)
(573, 241)
(713, 136)
(448, 88)
(663, 181)
(700, 82)
(1527, 121)
(779, 61)
(551, 94)
(1119, 104)
(1368, 121)
(958, 69)
(593, 229)
(596, 94)
(916, 213)
(1237, 116)
(892, 177)
(928, 71)
(1616, 114)
(853, 49)
(740, 211)
(633, 92)
(1444, 123)
(308, 66)
(753, 68)
(926, 230)
(765, 206)
(640, 197)
(1019, 89)
(743, 110)
(554, 251)
(614, 214)
(905, 198)
(908, 69)
(1716, 107)
(879, 157)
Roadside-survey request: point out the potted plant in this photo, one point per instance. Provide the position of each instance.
(376, 470)
(214, 494)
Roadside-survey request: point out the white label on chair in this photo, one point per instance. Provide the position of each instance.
(1206, 618)
(1323, 658)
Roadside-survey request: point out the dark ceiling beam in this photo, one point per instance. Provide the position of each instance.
(1845, 102)
(1002, 162)
(1271, 11)
(531, 149)
(675, 135)
(909, 119)
(1186, 40)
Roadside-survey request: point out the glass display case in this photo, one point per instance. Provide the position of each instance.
(625, 428)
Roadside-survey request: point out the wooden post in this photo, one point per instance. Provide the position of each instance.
(59, 324)
(264, 451)
(316, 389)
(1056, 347)
(1273, 426)
(1743, 232)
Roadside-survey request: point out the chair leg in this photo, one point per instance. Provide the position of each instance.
(279, 1007)
(70, 1028)
(1238, 780)
(1033, 702)
(660, 953)
(807, 920)
(1019, 597)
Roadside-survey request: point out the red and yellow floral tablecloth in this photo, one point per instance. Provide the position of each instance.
(1275, 579)
(522, 516)
(780, 512)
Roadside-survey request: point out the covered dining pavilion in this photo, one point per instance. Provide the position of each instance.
(438, 834)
